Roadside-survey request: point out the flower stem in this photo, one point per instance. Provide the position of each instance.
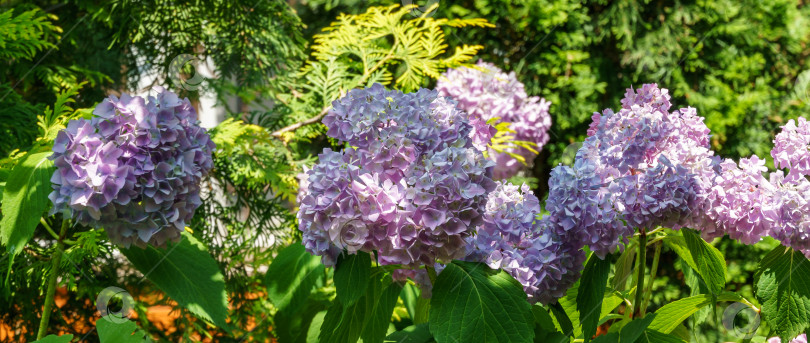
(653, 272)
(56, 261)
(642, 263)
(431, 274)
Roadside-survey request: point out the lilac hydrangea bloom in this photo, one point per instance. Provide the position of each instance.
(747, 206)
(512, 238)
(491, 93)
(736, 200)
(582, 205)
(798, 339)
(133, 169)
(412, 186)
(788, 211)
(640, 167)
(791, 148)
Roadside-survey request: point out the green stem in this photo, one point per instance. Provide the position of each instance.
(431, 274)
(53, 234)
(655, 240)
(653, 271)
(642, 263)
(51, 291)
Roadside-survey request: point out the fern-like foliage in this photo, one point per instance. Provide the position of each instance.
(383, 45)
(248, 156)
(376, 43)
(56, 119)
(23, 35)
(504, 141)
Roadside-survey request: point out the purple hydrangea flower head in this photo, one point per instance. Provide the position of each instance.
(486, 92)
(791, 148)
(134, 169)
(662, 195)
(514, 239)
(582, 207)
(640, 167)
(411, 187)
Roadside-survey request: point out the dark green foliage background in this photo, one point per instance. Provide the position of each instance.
(737, 62)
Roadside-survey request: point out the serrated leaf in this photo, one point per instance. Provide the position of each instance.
(709, 262)
(367, 317)
(669, 316)
(544, 329)
(342, 324)
(380, 305)
(111, 331)
(291, 277)
(187, 274)
(296, 326)
(410, 295)
(681, 332)
(568, 304)
(25, 199)
(55, 339)
(624, 268)
(561, 319)
(473, 303)
(635, 328)
(352, 276)
(590, 294)
(696, 287)
(652, 336)
(412, 334)
(612, 337)
(422, 310)
(678, 245)
(315, 327)
(783, 289)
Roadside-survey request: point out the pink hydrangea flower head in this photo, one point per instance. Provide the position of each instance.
(791, 148)
(486, 92)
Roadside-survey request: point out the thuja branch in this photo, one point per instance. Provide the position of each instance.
(325, 110)
(298, 125)
(51, 291)
(366, 74)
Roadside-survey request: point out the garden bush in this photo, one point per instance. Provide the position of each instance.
(494, 171)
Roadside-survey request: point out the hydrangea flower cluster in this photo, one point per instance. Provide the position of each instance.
(792, 147)
(736, 200)
(514, 239)
(787, 212)
(748, 206)
(486, 93)
(581, 206)
(640, 167)
(133, 169)
(658, 169)
(798, 339)
(412, 186)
